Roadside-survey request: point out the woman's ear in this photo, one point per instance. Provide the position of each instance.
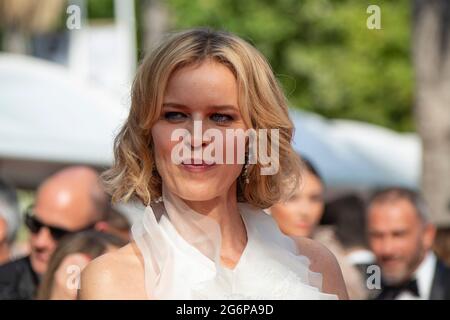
(429, 236)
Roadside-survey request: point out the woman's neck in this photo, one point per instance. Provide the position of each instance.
(224, 210)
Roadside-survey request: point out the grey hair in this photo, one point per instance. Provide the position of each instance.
(396, 193)
(9, 210)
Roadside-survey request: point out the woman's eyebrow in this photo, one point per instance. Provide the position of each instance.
(225, 107)
(173, 104)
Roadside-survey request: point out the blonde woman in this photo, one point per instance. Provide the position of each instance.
(203, 234)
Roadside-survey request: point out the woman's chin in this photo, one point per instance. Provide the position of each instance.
(297, 232)
(200, 190)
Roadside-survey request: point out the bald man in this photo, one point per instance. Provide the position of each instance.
(70, 201)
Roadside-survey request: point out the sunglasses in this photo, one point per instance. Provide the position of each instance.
(35, 225)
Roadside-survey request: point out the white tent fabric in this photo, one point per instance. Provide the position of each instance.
(49, 119)
(357, 154)
(46, 114)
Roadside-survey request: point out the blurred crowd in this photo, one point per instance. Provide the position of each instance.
(384, 242)
(69, 223)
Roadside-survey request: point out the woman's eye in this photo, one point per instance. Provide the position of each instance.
(174, 116)
(293, 198)
(316, 198)
(221, 118)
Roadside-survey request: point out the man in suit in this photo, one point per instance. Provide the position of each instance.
(401, 237)
(71, 200)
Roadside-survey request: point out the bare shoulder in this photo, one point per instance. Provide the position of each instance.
(116, 275)
(324, 262)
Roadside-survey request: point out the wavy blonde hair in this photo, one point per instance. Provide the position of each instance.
(261, 102)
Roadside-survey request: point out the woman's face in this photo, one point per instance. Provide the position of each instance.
(66, 280)
(208, 93)
(301, 213)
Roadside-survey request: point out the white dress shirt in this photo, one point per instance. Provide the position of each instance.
(424, 276)
(360, 256)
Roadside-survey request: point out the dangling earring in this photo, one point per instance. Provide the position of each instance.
(154, 169)
(160, 199)
(247, 181)
(245, 171)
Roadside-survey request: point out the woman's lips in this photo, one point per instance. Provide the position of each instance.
(191, 166)
(303, 225)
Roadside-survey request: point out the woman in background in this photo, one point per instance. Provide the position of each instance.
(301, 212)
(299, 216)
(61, 281)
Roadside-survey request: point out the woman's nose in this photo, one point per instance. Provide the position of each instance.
(198, 138)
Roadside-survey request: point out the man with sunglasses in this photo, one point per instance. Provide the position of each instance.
(72, 200)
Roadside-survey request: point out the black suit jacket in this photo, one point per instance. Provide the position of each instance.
(440, 288)
(18, 281)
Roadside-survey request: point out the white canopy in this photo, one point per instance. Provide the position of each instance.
(47, 117)
(357, 154)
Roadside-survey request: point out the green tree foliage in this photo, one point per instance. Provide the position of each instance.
(100, 9)
(324, 55)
